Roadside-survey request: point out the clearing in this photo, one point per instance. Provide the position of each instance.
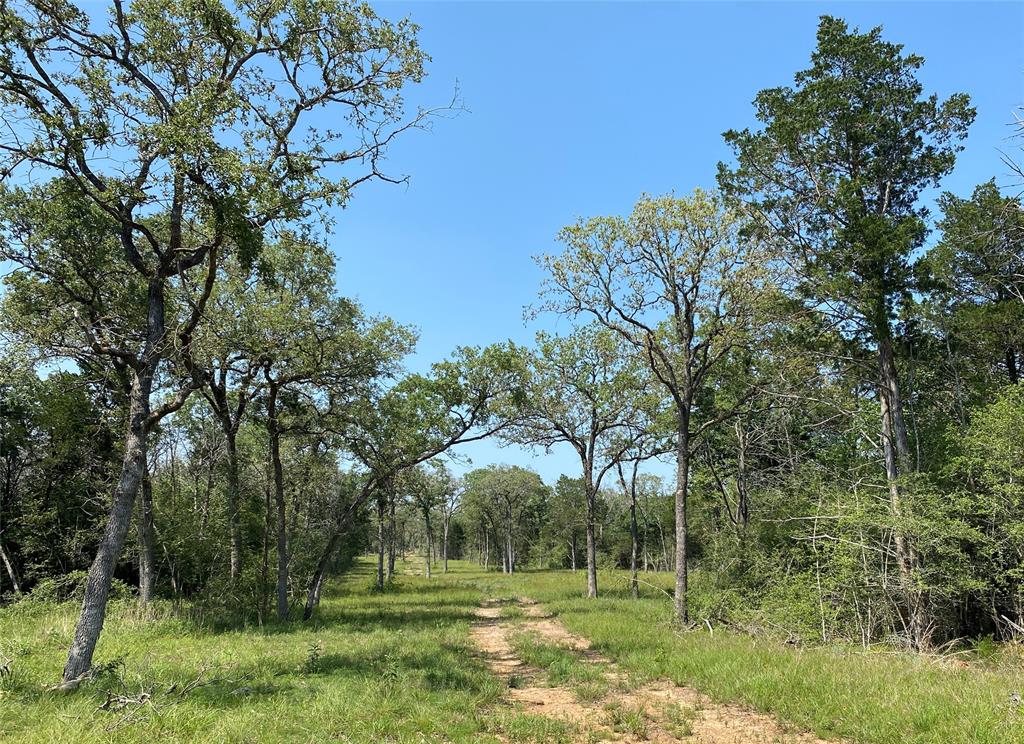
(465, 657)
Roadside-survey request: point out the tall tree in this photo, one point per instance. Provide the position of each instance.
(834, 176)
(584, 390)
(506, 493)
(137, 114)
(978, 269)
(644, 441)
(463, 399)
(451, 499)
(678, 283)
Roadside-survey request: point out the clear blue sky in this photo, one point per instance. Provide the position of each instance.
(575, 109)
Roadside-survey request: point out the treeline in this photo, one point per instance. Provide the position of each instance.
(191, 407)
(505, 518)
(180, 373)
(835, 371)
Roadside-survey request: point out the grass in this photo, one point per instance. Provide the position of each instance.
(837, 692)
(562, 667)
(628, 719)
(398, 667)
(395, 667)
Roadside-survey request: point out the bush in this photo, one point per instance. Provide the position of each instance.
(71, 588)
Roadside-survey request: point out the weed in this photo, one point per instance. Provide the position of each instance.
(314, 657)
(628, 719)
(388, 674)
(680, 719)
(590, 692)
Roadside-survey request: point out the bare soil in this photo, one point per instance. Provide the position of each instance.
(630, 711)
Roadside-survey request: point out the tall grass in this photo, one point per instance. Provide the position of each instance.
(398, 666)
(882, 696)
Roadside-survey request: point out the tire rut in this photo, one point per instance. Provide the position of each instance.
(628, 711)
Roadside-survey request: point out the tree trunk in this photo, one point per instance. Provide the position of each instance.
(233, 499)
(1011, 365)
(681, 605)
(313, 595)
(97, 586)
(430, 542)
(381, 516)
(510, 544)
(591, 542)
(896, 448)
(392, 534)
(282, 513)
(444, 544)
(10, 570)
(144, 524)
(268, 520)
(572, 549)
(634, 583)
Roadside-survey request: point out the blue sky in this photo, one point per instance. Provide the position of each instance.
(576, 109)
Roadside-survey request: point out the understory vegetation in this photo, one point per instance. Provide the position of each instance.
(399, 666)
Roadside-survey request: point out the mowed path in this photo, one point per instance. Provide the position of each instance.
(618, 708)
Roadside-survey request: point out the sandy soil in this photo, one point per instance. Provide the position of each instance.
(666, 712)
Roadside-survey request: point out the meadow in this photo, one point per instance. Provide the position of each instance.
(399, 666)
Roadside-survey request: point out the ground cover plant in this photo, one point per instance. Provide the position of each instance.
(399, 665)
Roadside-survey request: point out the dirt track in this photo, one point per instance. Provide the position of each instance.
(629, 711)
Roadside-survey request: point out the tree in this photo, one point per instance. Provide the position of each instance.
(451, 500)
(566, 520)
(584, 391)
(464, 399)
(978, 269)
(678, 283)
(507, 493)
(833, 177)
(991, 463)
(646, 442)
(160, 91)
(425, 490)
(55, 456)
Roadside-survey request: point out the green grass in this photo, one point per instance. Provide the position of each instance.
(398, 667)
(837, 692)
(562, 667)
(628, 719)
(394, 667)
